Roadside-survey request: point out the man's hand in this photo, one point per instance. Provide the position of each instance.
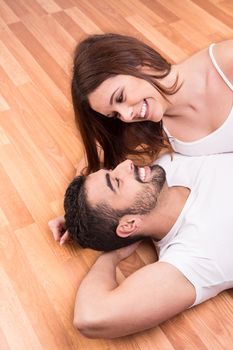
(123, 253)
(58, 228)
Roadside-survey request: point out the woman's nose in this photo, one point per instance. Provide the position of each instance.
(125, 113)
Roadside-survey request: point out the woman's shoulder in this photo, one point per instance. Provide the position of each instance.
(223, 54)
(224, 45)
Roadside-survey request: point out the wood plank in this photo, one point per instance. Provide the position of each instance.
(44, 318)
(3, 106)
(85, 23)
(13, 317)
(42, 57)
(215, 11)
(197, 17)
(167, 47)
(49, 6)
(12, 67)
(38, 27)
(14, 212)
(17, 7)
(40, 78)
(6, 14)
(40, 148)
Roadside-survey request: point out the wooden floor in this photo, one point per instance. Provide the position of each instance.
(40, 148)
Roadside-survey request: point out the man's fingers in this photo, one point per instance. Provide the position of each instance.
(64, 238)
(56, 233)
(57, 227)
(124, 252)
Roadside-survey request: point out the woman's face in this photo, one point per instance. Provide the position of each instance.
(128, 98)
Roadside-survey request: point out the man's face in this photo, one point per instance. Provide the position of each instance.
(127, 186)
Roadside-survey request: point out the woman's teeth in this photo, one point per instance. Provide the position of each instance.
(143, 110)
(142, 174)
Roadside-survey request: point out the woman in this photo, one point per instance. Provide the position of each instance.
(188, 101)
(130, 102)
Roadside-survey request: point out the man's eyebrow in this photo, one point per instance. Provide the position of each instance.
(108, 181)
(111, 99)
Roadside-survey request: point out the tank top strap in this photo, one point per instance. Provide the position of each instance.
(229, 84)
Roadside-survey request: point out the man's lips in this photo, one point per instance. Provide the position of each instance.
(143, 173)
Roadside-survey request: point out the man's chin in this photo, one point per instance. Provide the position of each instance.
(158, 176)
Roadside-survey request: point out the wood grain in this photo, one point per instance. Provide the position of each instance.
(40, 149)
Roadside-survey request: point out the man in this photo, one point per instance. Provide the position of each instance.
(184, 205)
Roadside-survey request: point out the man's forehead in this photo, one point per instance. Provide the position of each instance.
(96, 187)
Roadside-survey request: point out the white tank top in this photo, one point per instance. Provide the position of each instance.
(219, 141)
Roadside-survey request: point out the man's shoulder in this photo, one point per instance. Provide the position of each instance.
(169, 157)
(181, 170)
(172, 160)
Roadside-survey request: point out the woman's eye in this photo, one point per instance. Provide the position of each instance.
(119, 98)
(113, 115)
(118, 182)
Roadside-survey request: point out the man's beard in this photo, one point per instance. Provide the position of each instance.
(146, 200)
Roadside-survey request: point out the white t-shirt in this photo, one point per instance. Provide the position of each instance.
(200, 243)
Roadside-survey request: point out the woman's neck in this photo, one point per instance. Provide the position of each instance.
(187, 99)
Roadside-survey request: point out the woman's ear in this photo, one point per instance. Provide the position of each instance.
(128, 225)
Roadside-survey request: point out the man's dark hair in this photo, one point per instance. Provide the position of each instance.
(92, 227)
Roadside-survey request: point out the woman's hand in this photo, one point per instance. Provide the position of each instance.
(58, 228)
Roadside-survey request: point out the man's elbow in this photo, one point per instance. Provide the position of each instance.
(84, 327)
(88, 325)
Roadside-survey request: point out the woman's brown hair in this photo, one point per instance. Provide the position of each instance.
(96, 59)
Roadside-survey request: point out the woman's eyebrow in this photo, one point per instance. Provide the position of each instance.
(109, 183)
(111, 99)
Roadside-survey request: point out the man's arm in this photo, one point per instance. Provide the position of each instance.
(148, 297)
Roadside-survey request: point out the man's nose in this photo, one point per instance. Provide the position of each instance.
(126, 113)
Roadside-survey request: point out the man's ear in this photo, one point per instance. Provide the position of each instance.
(128, 225)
